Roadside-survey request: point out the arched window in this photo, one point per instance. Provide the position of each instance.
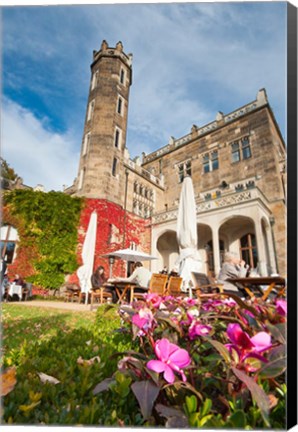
(248, 250)
(9, 239)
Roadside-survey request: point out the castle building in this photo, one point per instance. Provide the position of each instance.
(237, 164)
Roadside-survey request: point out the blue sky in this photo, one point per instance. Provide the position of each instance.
(190, 60)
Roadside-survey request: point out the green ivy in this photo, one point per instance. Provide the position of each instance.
(51, 224)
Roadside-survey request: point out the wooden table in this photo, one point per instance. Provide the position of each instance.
(271, 282)
(121, 288)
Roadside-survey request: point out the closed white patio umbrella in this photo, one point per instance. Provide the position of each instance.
(187, 237)
(85, 271)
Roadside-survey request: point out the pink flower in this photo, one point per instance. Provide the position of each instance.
(154, 299)
(281, 307)
(171, 359)
(197, 329)
(144, 320)
(246, 346)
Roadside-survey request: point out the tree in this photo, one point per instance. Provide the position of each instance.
(7, 172)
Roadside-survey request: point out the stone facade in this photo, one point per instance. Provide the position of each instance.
(237, 164)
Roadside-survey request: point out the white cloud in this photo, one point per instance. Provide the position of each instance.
(38, 155)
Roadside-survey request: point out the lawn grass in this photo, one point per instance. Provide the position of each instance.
(23, 324)
(79, 349)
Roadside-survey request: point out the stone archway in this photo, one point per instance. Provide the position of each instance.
(168, 250)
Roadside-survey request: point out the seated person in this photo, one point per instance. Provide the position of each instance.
(19, 281)
(98, 279)
(141, 276)
(233, 267)
(174, 272)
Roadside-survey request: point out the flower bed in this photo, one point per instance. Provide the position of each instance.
(216, 362)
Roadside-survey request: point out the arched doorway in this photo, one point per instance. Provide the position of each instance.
(168, 249)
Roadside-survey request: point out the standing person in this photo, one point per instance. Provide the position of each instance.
(233, 267)
(98, 279)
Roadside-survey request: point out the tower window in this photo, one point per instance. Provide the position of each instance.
(81, 179)
(122, 76)
(90, 110)
(114, 167)
(119, 106)
(94, 80)
(117, 138)
(86, 143)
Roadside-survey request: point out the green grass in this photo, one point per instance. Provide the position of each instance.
(24, 324)
(52, 341)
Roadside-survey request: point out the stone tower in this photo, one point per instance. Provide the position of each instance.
(101, 173)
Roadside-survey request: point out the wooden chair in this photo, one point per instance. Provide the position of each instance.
(99, 295)
(204, 284)
(72, 295)
(158, 283)
(174, 286)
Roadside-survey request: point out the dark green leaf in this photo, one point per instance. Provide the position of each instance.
(146, 392)
(257, 393)
(237, 420)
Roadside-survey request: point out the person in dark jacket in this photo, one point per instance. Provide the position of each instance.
(98, 279)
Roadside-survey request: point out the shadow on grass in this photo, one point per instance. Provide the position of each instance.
(48, 342)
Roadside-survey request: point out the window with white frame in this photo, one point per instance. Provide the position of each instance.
(94, 80)
(90, 110)
(81, 178)
(86, 143)
(210, 161)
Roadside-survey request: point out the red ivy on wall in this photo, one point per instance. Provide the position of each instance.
(110, 233)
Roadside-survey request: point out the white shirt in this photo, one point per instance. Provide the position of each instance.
(141, 276)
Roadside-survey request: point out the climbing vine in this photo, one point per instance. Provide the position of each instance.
(47, 224)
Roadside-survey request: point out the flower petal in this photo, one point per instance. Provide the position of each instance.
(156, 365)
(180, 358)
(261, 341)
(169, 375)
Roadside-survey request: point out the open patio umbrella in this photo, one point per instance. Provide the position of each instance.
(85, 271)
(187, 237)
(131, 255)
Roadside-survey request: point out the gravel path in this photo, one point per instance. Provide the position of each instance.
(80, 307)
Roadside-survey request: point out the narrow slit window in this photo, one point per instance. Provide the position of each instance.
(117, 138)
(114, 167)
(119, 107)
(122, 76)
(86, 143)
